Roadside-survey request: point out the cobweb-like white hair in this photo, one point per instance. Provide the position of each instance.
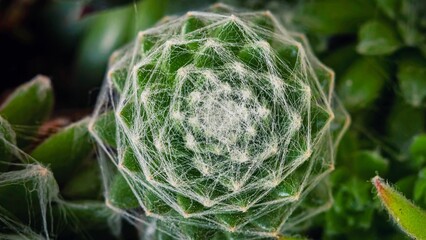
(26, 192)
(219, 123)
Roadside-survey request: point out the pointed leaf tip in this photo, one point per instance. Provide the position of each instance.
(410, 218)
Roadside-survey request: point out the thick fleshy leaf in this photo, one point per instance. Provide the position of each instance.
(121, 195)
(377, 38)
(64, 151)
(27, 107)
(85, 184)
(30, 104)
(410, 218)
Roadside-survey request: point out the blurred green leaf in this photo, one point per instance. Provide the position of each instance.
(399, 132)
(121, 195)
(369, 163)
(108, 30)
(411, 22)
(85, 184)
(353, 207)
(406, 215)
(377, 38)
(85, 215)
(412, 79)
(340, 59)
(334, 17)
(389, 7)
(406, 185)
(418, 149)
(62, 22)
(357, 89)
(419, 194)
(64, 151)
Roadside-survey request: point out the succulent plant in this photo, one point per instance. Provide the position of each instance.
(217, 124)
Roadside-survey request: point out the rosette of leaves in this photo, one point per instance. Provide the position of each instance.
(217, 124)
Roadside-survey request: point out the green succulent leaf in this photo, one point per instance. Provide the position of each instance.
(27, 107)
(105, 128)
(121, 195)
(410, 218)
(30, 104)
(85, 184)
(26, 194)
(377, 38)
(64, 151)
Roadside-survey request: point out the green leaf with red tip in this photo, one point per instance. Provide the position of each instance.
(410, 218)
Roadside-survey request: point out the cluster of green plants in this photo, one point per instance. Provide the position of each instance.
(61, 187)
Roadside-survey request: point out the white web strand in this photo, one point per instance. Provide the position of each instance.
(41, 184)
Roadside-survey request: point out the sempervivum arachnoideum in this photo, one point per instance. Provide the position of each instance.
(218, 124)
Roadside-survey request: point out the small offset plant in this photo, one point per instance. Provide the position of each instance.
(218, 125)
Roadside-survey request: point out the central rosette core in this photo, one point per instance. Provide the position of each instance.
(223, 121)
(223, 113)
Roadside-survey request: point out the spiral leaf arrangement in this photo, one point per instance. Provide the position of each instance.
(217, 124)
